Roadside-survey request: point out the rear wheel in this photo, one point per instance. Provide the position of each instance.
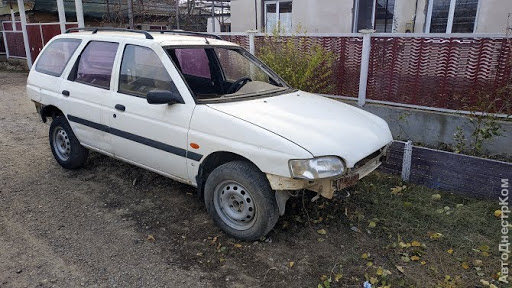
(239, 199)
(65, 147)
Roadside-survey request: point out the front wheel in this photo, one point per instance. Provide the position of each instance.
(66, 148)
(239, 199)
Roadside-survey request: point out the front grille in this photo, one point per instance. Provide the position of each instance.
(369, 157)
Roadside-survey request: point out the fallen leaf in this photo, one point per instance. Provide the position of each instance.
(497, 213)
(291, 264)
(369, 264)
(323, 278)
(436, 236)
(321, 231)
(400, 268)
(436, 197)
(407, 204)
(404, 245)
(374, 280)
(484, 282)
(459, 205)
(415, 258)
(318, 220)
(450, 251)
(365, 256)
(477, 263)
(423, 262)
(465, 265)
(150, 238)
(380, 271)
(398, 190)
(484, 248)
(320, 239)
(372, 224)
(338, 277)
(237, 245)
(199, 254)
(415, 244)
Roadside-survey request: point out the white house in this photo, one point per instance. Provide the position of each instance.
(345, 16)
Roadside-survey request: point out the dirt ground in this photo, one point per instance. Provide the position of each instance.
(116, 225)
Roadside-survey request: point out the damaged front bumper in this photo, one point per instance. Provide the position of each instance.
(327, 187)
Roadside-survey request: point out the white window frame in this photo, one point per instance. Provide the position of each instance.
(276, 2)
(451, 14)
(356, 15)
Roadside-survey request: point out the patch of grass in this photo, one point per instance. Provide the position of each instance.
(424, 237)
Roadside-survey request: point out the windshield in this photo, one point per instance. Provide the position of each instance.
(219, 74)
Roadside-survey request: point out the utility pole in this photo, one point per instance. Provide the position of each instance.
(213, 16)
(177, 14)
(130, 13)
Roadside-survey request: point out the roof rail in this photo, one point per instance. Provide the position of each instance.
(189, 33)
(96, 29)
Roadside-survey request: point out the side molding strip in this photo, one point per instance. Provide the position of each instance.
(139, 139)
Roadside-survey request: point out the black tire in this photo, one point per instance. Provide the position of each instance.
(65, 147)
(245, 176)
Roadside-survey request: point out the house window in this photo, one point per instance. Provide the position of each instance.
(364, 17)
(278, 15)
(384, 16)
(374, 14)
(447, 16)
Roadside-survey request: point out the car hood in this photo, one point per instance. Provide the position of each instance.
(320, 125)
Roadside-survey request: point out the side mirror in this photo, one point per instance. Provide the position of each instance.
(163, 97)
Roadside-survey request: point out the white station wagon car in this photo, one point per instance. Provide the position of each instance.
(204, 112)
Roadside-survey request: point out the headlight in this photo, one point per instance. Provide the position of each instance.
(321, 167)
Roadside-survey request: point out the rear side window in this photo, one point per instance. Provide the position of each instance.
(56, 56)
(95, 64)
(142, 71)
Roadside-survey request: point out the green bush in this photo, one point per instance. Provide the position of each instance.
(309, 70)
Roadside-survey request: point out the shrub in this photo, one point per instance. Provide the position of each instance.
(305, 69)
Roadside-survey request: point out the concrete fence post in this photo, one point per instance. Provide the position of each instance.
(23, 18)
(365, 64)
(251, 34)
(13, 20)
(5, 44)
(407, 160)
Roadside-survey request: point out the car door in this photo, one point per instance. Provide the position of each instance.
(150, 135)
(87, 89)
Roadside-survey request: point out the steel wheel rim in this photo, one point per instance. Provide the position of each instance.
(235, 205)
(61, 143)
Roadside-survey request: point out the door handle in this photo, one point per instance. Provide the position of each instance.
(120, 107)
(65, 93)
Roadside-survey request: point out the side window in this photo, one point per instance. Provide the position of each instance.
(56, 56)
(194, 62)
(142, 71)
(95, 64)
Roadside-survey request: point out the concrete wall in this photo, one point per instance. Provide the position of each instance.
(435, 129)
(493, 15)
